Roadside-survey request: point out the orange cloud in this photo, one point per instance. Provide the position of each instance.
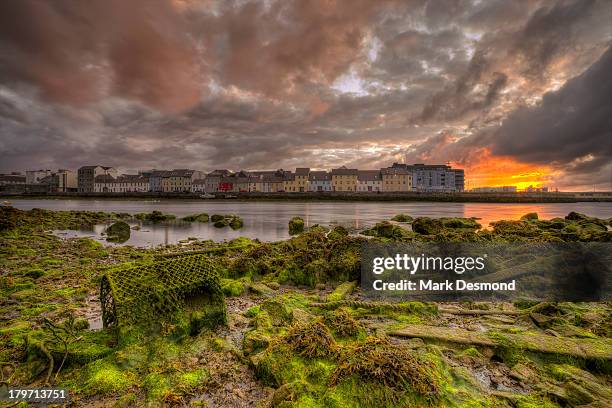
(486, 170)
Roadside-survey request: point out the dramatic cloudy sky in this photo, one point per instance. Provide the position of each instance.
(516, 92)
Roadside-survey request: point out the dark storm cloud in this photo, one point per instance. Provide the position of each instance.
(549, 32)
(266, 84)
(573, 122)
(77, 52)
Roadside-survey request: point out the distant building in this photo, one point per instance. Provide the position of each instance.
(66, 181)
(396, 179)
(213, 179)
(125, 183)
(133, 183)
(62, 181)
(459, 180)
(12, 179)
(104, 183)
(178, 180)
(344, 179)
(198, 186)
(500, 189)
(35, 176)
(369, 180)
(87, 175)
(155, 180)
(319, 181)
(288, 181)
(272, 183)
(532, 189)
(301, 179)
(433, 177)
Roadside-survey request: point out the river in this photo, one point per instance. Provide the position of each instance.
(267, 220)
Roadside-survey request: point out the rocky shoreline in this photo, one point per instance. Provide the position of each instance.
(298, 331)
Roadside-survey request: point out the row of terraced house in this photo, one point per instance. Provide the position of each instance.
(397, 178)
(102, 179)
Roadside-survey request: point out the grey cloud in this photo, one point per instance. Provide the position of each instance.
(96, 83)
(570, 123)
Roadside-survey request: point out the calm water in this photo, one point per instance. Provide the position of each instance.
(268, 220)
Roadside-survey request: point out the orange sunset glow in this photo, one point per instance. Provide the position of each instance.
(497, 171)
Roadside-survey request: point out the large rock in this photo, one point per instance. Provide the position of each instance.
(296, 226)
(427, 226)
(118, 232)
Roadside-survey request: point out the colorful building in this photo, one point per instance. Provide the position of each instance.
(369, 181)
(396, 179)
(344, 179)
(319, 181)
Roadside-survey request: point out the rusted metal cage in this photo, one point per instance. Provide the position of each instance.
(133, 294)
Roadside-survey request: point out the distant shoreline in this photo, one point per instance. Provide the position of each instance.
(340, 196)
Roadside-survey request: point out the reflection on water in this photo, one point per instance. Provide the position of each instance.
(267, 220)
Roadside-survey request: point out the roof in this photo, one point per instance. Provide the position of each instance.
(179, 173)
(219, 172)
(12, 177)
(319, 175)
(394, 171)
(93, 167)
(132, 178)
(369, 175)
(421, 166)
(302, 171)
(343, 171)
(158, 173)
(198, 182)
(272, 179)
(104, 178)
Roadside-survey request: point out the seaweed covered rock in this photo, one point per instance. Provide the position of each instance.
(342, 323)
(394, 366)
(118, 232)
(154, 216)
(231, 220)
(530, 217)
(337, 232)
(576, 216)
(342, 291)
(222, 223)
(296, 225)
(279, 313)
(254, 340)
(255, 261)
(427, 225)
(385, 229)
(232, 287)
(236, 223)
(515, 229)
(319, 228)
(402, 218)
(202, 217)
(311, 340)
(460, 223)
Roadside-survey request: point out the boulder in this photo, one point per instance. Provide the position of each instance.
(296, 225)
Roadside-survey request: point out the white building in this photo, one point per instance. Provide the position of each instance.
(126, 183)
(501, 189)
(35, 176)
(319, 181)
(88, 174)
(369, 181)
